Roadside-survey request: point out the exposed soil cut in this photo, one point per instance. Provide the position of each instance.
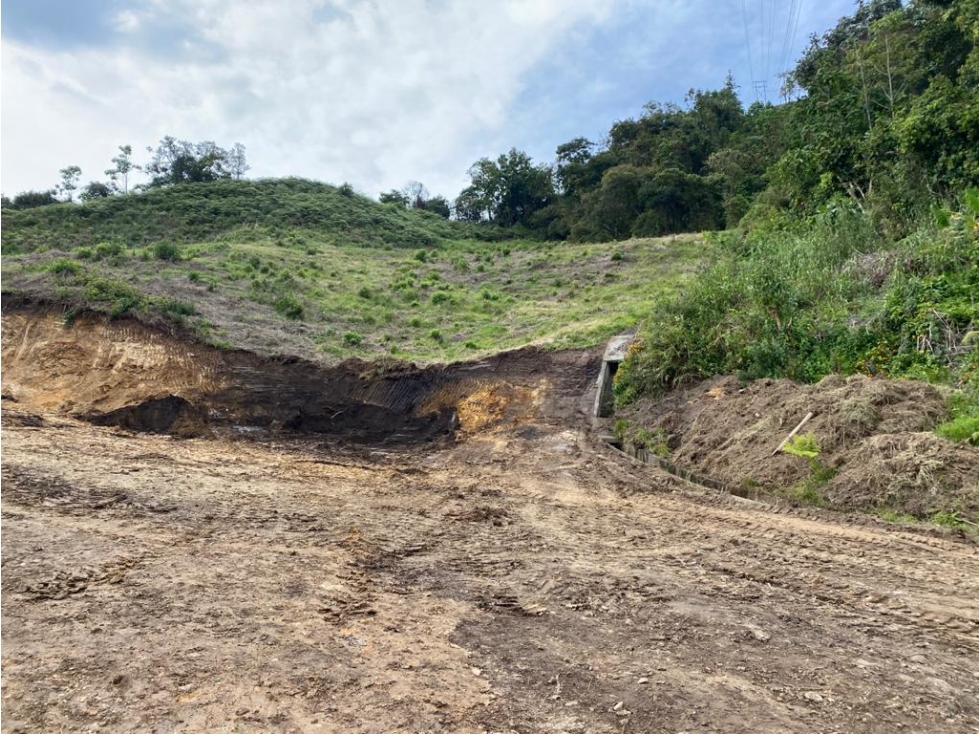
(520, 577)
(875, 433)
(129, 375)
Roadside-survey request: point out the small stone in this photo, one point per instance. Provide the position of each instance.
(618, 706)
(813, 696)
(919, 659)
(643, 681)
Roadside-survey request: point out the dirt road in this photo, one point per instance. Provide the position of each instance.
(526, 581)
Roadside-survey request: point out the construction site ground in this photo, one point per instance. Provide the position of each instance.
(477, 562)
(527, 580)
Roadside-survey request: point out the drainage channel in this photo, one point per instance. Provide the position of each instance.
(615, 353)
(646, 457)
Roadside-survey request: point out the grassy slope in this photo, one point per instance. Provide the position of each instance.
(349, 278)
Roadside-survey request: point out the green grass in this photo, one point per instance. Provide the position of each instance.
(963, 422)
(315, 292)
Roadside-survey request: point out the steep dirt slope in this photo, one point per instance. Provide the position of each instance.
(876, 434)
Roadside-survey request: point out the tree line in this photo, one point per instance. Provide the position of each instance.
(884, 117)
(172, 162)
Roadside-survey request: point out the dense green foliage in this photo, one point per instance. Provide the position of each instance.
(831, 296)
(860, 249)
(885, 114)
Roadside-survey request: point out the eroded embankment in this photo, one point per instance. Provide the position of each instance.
(127, 374)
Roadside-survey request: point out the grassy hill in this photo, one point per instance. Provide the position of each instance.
(235, 209)
(296, 267)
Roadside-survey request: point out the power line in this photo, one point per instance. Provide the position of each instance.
(747, 38)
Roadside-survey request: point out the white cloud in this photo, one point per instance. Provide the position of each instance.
(370, 92)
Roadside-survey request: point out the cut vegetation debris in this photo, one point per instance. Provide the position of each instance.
(870, 445)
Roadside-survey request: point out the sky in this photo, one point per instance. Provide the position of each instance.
(375, 93)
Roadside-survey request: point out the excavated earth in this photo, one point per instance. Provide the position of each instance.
(206, 541)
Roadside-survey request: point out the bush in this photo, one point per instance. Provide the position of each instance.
(166, 251)
(802, 304)
(963, 422)
(174, 307)
(352, 338)
(440, 297)
(64, 266)
(289, 306)
(120, 298)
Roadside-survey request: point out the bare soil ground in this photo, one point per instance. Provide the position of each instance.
(520, 577)
(525, 580)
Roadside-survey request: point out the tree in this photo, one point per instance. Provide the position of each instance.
(506, 191)
(96, 190)
(237, 165)
(122, 166)
(179, 161)
(415, 194)
(437, 205)
(32, 199)
(69, 181)
(394, 197)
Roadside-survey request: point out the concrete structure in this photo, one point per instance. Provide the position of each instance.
(614, 354)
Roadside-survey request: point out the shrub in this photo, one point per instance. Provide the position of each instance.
(963, 422)
(289, 306)
(352, 338)
(166, 251)
(174, 307)
(64, 266)
(440, 297)
(108, 250)
(804, 445)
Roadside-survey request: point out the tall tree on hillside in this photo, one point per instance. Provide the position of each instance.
(395, 197)
(506, 191)
(437, 205)
(179, 161)
(69, 181)
(237, 164)
(122, 167)
(415, 194)
(95, 190)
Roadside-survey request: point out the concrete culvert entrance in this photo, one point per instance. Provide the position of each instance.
(614, 355)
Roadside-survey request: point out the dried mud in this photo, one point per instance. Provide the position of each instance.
(521, 577)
